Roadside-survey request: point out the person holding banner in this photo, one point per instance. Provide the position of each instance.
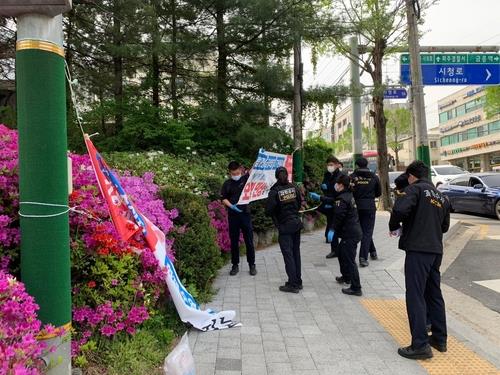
(283, 205)
(239, 218)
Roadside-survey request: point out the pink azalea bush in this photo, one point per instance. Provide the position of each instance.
(218, 220)
(116, 286)
(19, 326)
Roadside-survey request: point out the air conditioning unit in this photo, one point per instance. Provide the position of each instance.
(51, 8)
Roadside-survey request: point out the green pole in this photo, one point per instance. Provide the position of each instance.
(298, 166)
(43, 177)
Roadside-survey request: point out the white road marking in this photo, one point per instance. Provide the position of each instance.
(494, 237)
(490, 284)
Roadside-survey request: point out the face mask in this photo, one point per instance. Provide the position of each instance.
(337, 188)
(331, 168)
(236, 178)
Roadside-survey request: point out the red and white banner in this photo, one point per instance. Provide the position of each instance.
(262, 177)
(129, 221)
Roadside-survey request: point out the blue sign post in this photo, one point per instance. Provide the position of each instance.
(395, 93)
(455, 69)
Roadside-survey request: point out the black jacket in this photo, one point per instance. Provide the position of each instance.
(366, 188)
(425, 215)
(329, 179)
(231, 190)
(283, 205)
(345, 221)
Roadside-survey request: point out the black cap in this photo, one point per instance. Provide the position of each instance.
(418, 169)
(280, 170)
(362, 163)
(401, 181)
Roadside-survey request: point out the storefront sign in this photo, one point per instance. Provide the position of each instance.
(469, 121)
(476, 146)
(447, 104)
(473, 92)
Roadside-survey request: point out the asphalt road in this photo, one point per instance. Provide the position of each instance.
(478, 262)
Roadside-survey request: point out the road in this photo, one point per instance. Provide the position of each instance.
(475, 271)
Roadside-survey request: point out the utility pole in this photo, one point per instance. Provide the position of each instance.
(43, 170)
(298, 155)
(422, 141)
(357, 132)
(413, 130)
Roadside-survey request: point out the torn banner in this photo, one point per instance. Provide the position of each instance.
(129, 221)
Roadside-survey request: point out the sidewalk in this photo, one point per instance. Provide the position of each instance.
(318, 331)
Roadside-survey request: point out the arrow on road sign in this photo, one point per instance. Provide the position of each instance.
(488, 74)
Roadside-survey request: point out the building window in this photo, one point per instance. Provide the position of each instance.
(460, 110)
(433, 144)
(443, 117)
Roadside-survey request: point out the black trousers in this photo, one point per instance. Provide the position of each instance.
(424, 298)
(290, 248)
(347, 261)
(367, 221)
(241, 223)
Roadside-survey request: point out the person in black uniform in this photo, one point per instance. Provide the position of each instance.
(283, 205)
(330, 177)
(425, 215)
(366, 188)
(346, 226)
(238, 217)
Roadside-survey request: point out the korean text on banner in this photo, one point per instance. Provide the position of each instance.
(262, 176)
(129, 221)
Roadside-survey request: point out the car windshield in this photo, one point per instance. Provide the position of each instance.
(449, 170)
(492, 180)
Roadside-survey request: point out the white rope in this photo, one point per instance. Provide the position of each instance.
(308, 210)
(75, 209)
(73, 96)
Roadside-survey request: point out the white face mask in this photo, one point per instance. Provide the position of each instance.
(337, 188)
(331, 168)
(236, 178)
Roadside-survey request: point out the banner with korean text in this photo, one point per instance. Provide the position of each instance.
(262, 175)
(129, 221)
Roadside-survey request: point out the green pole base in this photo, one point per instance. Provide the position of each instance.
(424, 155)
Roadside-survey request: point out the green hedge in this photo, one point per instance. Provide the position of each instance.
(198, 258)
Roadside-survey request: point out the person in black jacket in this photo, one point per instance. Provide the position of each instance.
(239, 218)
(346, 226)
(366, 187)
(333, 172)
(283, 205)
(425, 215)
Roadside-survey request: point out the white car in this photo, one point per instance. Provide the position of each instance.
(442, 174)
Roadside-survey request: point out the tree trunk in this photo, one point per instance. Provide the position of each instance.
(117, 70)
(173, 78)
(221, 86)
(155, 59)
(380, 124)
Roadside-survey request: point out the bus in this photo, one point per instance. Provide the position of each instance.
(370, 155)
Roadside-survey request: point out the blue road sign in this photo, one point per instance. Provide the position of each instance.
(455, 74)
(395, 93)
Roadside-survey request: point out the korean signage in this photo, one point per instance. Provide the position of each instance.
(461, 123)
(476, 146)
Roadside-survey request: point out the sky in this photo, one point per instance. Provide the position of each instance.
(449, 22)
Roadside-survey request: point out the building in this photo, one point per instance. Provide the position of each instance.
(468, 139)
(406, 154)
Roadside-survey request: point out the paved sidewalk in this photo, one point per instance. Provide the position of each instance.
(318, 331)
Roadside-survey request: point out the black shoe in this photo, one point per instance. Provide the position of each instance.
(331, 255)
(253, 270)
(352, 292)
(341, 280)
(289, 289)
(440, 347)
(410, 353)
(234, 270)
(363, 262)
(373, 256)
(300, 285)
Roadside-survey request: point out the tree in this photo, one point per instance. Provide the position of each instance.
(398, 128)
(492, 106)
(344, 143)
(381, 27)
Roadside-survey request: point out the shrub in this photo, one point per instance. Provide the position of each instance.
(316, 151)
(198, 257)
(260, 221)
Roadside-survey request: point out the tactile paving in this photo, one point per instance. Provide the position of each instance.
(458, 360)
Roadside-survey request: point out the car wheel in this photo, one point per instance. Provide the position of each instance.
(497, 209)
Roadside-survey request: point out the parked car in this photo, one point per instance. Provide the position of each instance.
(478, 193)
(441, 174)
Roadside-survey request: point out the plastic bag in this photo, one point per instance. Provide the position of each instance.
(180, 361)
